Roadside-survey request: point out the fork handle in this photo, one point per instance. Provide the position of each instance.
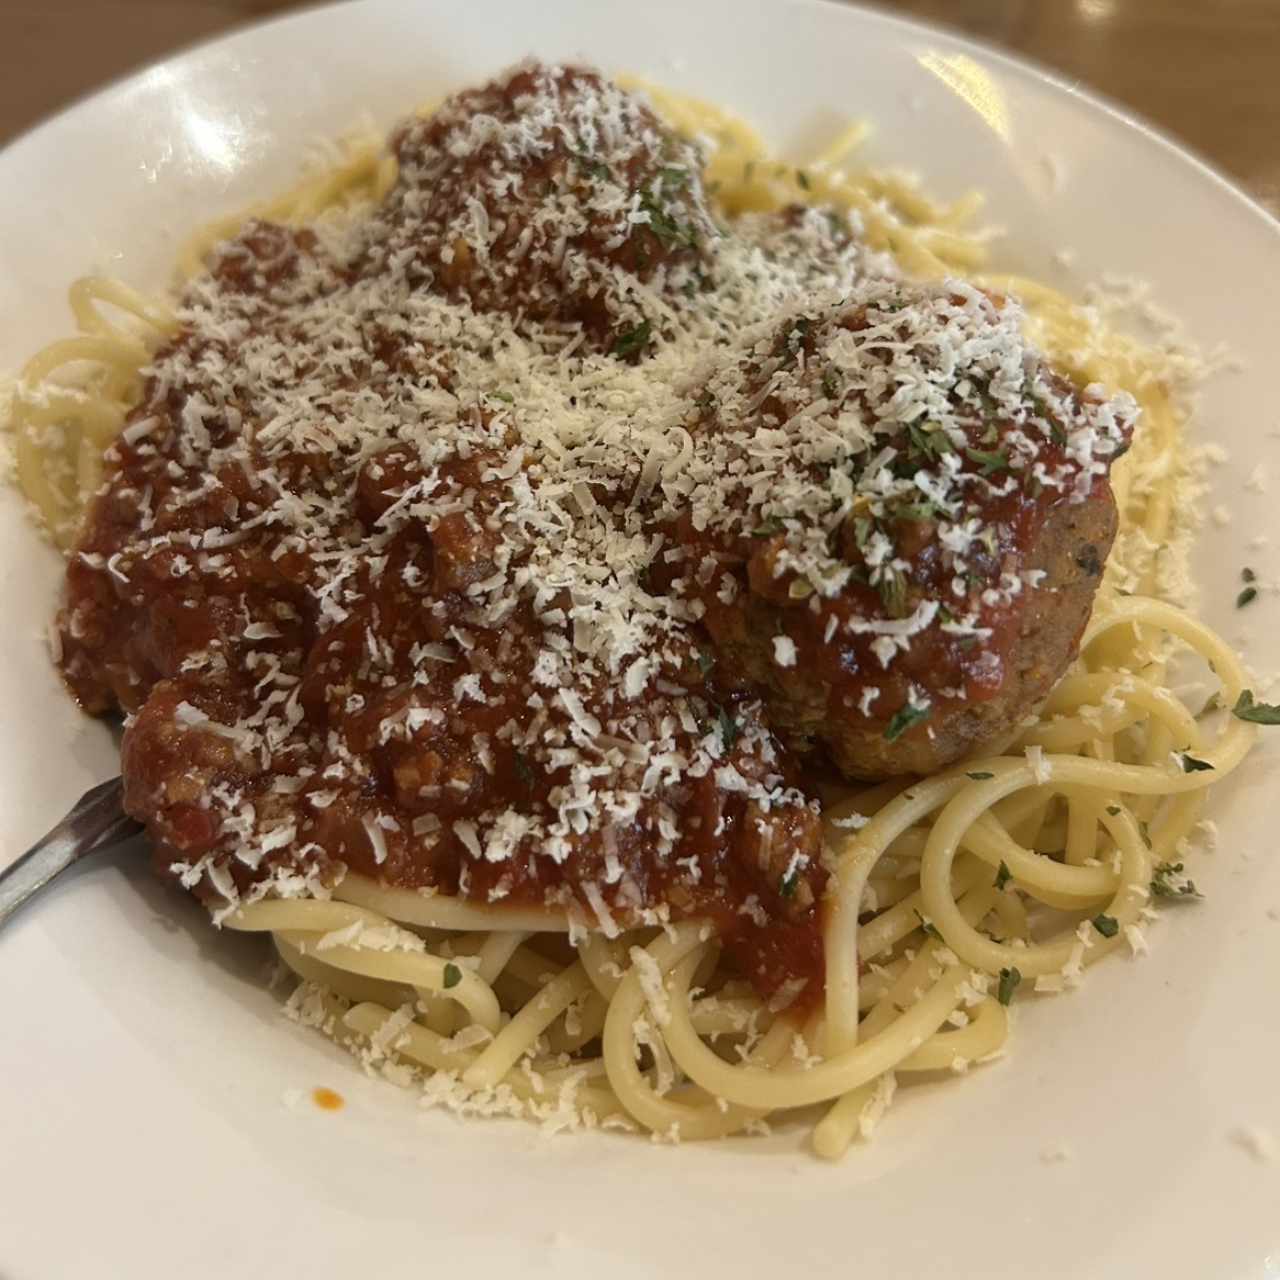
(97, 819)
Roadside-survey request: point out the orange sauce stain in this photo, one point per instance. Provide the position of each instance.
(327, 1100)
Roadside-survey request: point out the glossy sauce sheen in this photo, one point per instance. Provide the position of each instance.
(370, 608)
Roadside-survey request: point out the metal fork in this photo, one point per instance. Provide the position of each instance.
(96, 821)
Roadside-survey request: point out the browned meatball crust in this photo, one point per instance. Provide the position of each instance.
(902, 524)
(550, 194)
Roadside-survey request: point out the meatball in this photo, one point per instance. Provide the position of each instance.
(555, 195)
(899, 524)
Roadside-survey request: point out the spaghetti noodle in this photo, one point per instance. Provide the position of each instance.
(946, 892)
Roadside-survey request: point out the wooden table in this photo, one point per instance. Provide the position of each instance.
(1207, 71)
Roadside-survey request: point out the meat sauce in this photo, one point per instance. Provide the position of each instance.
(370, 609)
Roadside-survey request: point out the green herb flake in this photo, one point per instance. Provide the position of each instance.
(930, 929)
(980, 776)
(1106, 925)
(769, 527)
(803, 179)
(1113, 810)
(665, 227)
(830, 384)
(452, 976)
(788, 886)
(1191, 765)
(1248, 575)
(631, 342)
(1246, 597)
(1003, 875)
(523, 772)
(1009, 980)
(1167, 881)
(705, 662)
(903, 719)
(504, 396)
(728, 726)
(893, 593)
(1255, 712)
(915, 511)
(930, 440)
(990, 461)
(589, 165)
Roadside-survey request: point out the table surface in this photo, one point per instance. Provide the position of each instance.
(1206, 71)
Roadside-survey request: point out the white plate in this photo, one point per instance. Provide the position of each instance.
(142, 1062)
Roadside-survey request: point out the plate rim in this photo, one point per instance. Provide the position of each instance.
(898, 31)
(1087, 95)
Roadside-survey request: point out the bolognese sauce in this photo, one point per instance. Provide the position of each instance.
(533, 537)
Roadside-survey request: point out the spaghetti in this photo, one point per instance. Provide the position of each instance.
(945, 893)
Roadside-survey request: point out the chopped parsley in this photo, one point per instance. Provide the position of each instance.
(1003, 875)
(452, 976)
(665, 227)
(788, 886)
(893, 593)
(830, 384)
(502, 395)
(1246, 597)
(523, 772)
(990, 461)
(914, 511)
(1009, 980)
(768, 527)
(930, 440)
(1248, 575)
(589, 165)
(803, 179)
(705, 662)
(980, 776)
(1191, 765)
(728, 726)
(632, 341)
(1106, 925)
(928, 926)
(1113, 810)
(1167, 881)
(906, 716)
(1255, 712)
